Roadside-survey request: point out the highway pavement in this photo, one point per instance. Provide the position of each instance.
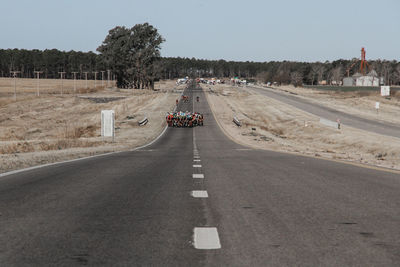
(195, 198)
(346, 119)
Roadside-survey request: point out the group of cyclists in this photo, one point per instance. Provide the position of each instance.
(184, 119)
(185, 98)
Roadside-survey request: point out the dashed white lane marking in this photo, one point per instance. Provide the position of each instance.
(196, 166)
(198, 175)
(196, 160)
(196, 157)
(206, 238)
(199, 194)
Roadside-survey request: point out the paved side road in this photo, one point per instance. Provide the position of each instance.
(276, 209)
(195, 198)
(378, 127)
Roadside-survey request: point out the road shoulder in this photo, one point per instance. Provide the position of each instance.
(271, 125)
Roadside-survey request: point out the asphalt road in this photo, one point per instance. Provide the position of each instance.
(263, 208)
(375, 126)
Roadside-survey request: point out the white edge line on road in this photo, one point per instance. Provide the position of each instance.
(54, 163)
(198, 175)
(73, 160)
(199, 194)
(206, 238)
(89, 157)
(196, 166)
(152, 142)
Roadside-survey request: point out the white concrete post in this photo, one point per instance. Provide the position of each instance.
(108, 124)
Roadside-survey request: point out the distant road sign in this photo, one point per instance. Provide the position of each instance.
(385, 90)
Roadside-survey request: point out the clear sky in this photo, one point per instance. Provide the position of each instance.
(253, 30)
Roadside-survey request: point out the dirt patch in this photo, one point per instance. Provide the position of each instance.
(100, 99)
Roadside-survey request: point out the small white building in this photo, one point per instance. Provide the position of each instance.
(349, 81)
(371, 79)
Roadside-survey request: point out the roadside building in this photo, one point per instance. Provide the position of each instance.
(349, 81)
(323, 82)
(371, 79)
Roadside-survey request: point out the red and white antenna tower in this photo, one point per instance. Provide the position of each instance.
(364, 63)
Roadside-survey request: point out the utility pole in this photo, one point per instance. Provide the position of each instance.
(108, 78)
(62, 81)
(15, 83)
(95, 77)
(74, 72)
(86, 79)
(102, 78)
(38, 82)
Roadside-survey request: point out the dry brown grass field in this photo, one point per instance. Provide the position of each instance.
(282, 127)
(49, 86)
(54, 127)
(360, 103)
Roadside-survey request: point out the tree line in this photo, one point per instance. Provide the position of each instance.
(281, 72)
(51, 62)
(133, 56)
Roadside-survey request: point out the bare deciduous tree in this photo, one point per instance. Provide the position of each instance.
(321, 71)
(264, 77)
(387, 69)
(316, 72)
(336, 75)
(396, 75)
(296, 78)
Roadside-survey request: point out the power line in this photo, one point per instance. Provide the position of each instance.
(95, 77)
(86, 79)
(62, 81)
(74, 73)
(102, 78)
(38, 82)
(15, 83)
(108, 78)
